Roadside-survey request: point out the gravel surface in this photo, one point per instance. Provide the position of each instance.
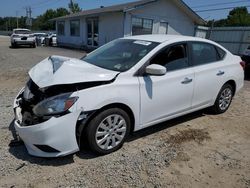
(197, 150)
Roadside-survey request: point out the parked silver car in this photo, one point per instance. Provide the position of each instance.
(22, 37)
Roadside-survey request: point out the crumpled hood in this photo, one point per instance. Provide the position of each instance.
(59, 70)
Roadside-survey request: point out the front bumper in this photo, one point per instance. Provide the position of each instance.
(52, 138)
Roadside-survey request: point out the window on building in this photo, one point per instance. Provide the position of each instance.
(60, 27)
(75, 27)
(141, 26)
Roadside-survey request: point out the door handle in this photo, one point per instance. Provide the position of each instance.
(220, 73)
(187, 80)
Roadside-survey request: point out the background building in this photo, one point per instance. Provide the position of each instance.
(93, 28)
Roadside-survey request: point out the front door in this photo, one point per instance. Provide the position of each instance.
(93, 32)
(170, 94)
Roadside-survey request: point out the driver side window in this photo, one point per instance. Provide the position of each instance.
(173, 57)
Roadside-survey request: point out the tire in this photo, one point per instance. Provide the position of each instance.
(13, 45)
(34, 45)
(223, 99)
(111, 136)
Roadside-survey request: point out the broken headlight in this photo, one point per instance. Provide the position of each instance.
(55, 105)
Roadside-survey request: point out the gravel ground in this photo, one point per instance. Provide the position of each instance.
(197, 150)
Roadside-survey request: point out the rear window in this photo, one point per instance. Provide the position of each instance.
(22, 32)
(221, 53)
(203, 53)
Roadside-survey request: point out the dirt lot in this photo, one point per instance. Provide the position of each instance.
(198, 150)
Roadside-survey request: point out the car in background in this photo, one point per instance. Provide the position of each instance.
(246, 57)
(51, 39)
(124, 86)
(22, 37)
(40, 38)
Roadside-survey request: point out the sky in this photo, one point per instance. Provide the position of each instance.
(17, 7)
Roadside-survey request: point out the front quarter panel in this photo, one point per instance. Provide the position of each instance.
(124, 90)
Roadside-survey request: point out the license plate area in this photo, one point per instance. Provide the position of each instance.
(24, 38)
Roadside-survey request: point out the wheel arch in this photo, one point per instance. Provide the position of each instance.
(233, 84)
(124, 107)
(81, 126)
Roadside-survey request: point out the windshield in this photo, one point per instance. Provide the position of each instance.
(120, 55)
(22, 32)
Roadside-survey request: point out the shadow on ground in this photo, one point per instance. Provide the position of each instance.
(20, 152)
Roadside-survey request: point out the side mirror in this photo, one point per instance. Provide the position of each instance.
(156, 70)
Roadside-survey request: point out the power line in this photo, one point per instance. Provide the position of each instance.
(40, 3)
(47, 3)
(226, 8)
(216, 4)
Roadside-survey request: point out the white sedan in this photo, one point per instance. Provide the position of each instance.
(22, 37)
(124, 86)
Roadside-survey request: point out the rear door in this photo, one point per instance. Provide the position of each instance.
(209, 70)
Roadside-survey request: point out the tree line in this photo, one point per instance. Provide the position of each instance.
(236, 17)
(42, 22)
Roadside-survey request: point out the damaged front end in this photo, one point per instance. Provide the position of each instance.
(46, 121)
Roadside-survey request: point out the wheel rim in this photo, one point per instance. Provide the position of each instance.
(111, 132)
(225, 99)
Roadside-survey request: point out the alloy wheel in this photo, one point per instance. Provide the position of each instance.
(225, 98)
(111, 132)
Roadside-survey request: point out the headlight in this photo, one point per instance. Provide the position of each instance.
(55, 105)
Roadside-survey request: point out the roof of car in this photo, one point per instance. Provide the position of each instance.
(21, 29)
(163, 38)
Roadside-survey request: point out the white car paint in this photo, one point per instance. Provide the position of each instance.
(81, 72)
(152, 99)
(22, 37)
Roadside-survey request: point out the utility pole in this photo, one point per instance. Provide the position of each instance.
(16, 19)
(9, 24)
(28, 16)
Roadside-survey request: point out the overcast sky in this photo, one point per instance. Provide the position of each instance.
(13, 7)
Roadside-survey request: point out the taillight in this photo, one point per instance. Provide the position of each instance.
(243, 64)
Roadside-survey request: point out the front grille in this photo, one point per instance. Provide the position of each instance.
(46, 148)
(27, 105)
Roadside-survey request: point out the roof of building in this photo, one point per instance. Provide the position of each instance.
(132, 5)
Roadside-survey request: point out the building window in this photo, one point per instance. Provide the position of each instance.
(75, 27)
(60, 27)
(141, 26)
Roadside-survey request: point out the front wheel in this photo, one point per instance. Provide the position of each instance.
(107, 132)
(223, 100)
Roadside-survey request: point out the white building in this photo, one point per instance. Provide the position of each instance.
(93, 28)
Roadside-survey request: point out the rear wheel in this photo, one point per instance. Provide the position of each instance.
(223, 100)
(107, 132)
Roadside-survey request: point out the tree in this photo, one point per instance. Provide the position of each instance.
(43, 22)
(237, 17)
(74, 7)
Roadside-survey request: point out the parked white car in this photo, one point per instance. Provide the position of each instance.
(51, 39)
(22, 37)
(124, 86)
(40, 37)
